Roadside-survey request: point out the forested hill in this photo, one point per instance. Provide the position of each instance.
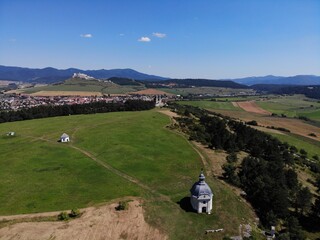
(53, 75)
(196, 83)
(308, 91)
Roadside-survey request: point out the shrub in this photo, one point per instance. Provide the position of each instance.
(232, 158)
(123, 205)
(312, 135)
(304, 118)
(63, 216)
(74, 213)
(253, 123)
(303, 152)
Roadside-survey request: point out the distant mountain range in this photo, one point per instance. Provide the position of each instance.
(302, 80)
(52, 75)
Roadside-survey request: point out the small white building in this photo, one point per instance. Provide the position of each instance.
(64, 138)
(201, 196)
(159, 102)
(11, 134)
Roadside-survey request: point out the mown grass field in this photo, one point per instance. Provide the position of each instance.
(207, 104)
(39, 174)
(292, 106)
(205, 91)
(312, 147)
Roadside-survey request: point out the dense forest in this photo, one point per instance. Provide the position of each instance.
(182, 83)
(65, 110)
(124, 81)
(308, 91)
(267, 174)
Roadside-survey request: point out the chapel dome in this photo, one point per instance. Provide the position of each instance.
(201, 187)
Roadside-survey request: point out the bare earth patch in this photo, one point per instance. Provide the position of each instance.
(251, 106)
(95, 224)
(168, 113)
(151, 91)
(65, 93)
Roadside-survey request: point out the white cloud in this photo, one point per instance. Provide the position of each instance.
(159, 35)
(87, 35)
(121, 34)
(144, 39)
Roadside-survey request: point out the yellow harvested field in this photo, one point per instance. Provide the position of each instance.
(65, 93)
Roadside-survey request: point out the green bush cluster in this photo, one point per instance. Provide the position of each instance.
(123, 205)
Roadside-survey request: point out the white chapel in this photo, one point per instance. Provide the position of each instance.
(201, 196)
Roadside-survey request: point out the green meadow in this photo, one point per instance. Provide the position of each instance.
(83, 85)
(207, 104)
(111, 156)
(311, 146)
(292, 106)
(205, 91)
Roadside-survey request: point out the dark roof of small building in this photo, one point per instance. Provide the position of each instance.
(200, 187)
(64, 135)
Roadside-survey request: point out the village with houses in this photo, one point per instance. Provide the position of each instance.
(20, 101)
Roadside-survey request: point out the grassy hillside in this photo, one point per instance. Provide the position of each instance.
(211, 105)
(311, 146)
(82, 85)
(110, 156)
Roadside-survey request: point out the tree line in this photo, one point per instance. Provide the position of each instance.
(308, 91)
(65, 110)
(267, 174)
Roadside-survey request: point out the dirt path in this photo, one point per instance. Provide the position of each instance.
(251, 106)
(96, 223)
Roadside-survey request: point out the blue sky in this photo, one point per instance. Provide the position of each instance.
(172, 38)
